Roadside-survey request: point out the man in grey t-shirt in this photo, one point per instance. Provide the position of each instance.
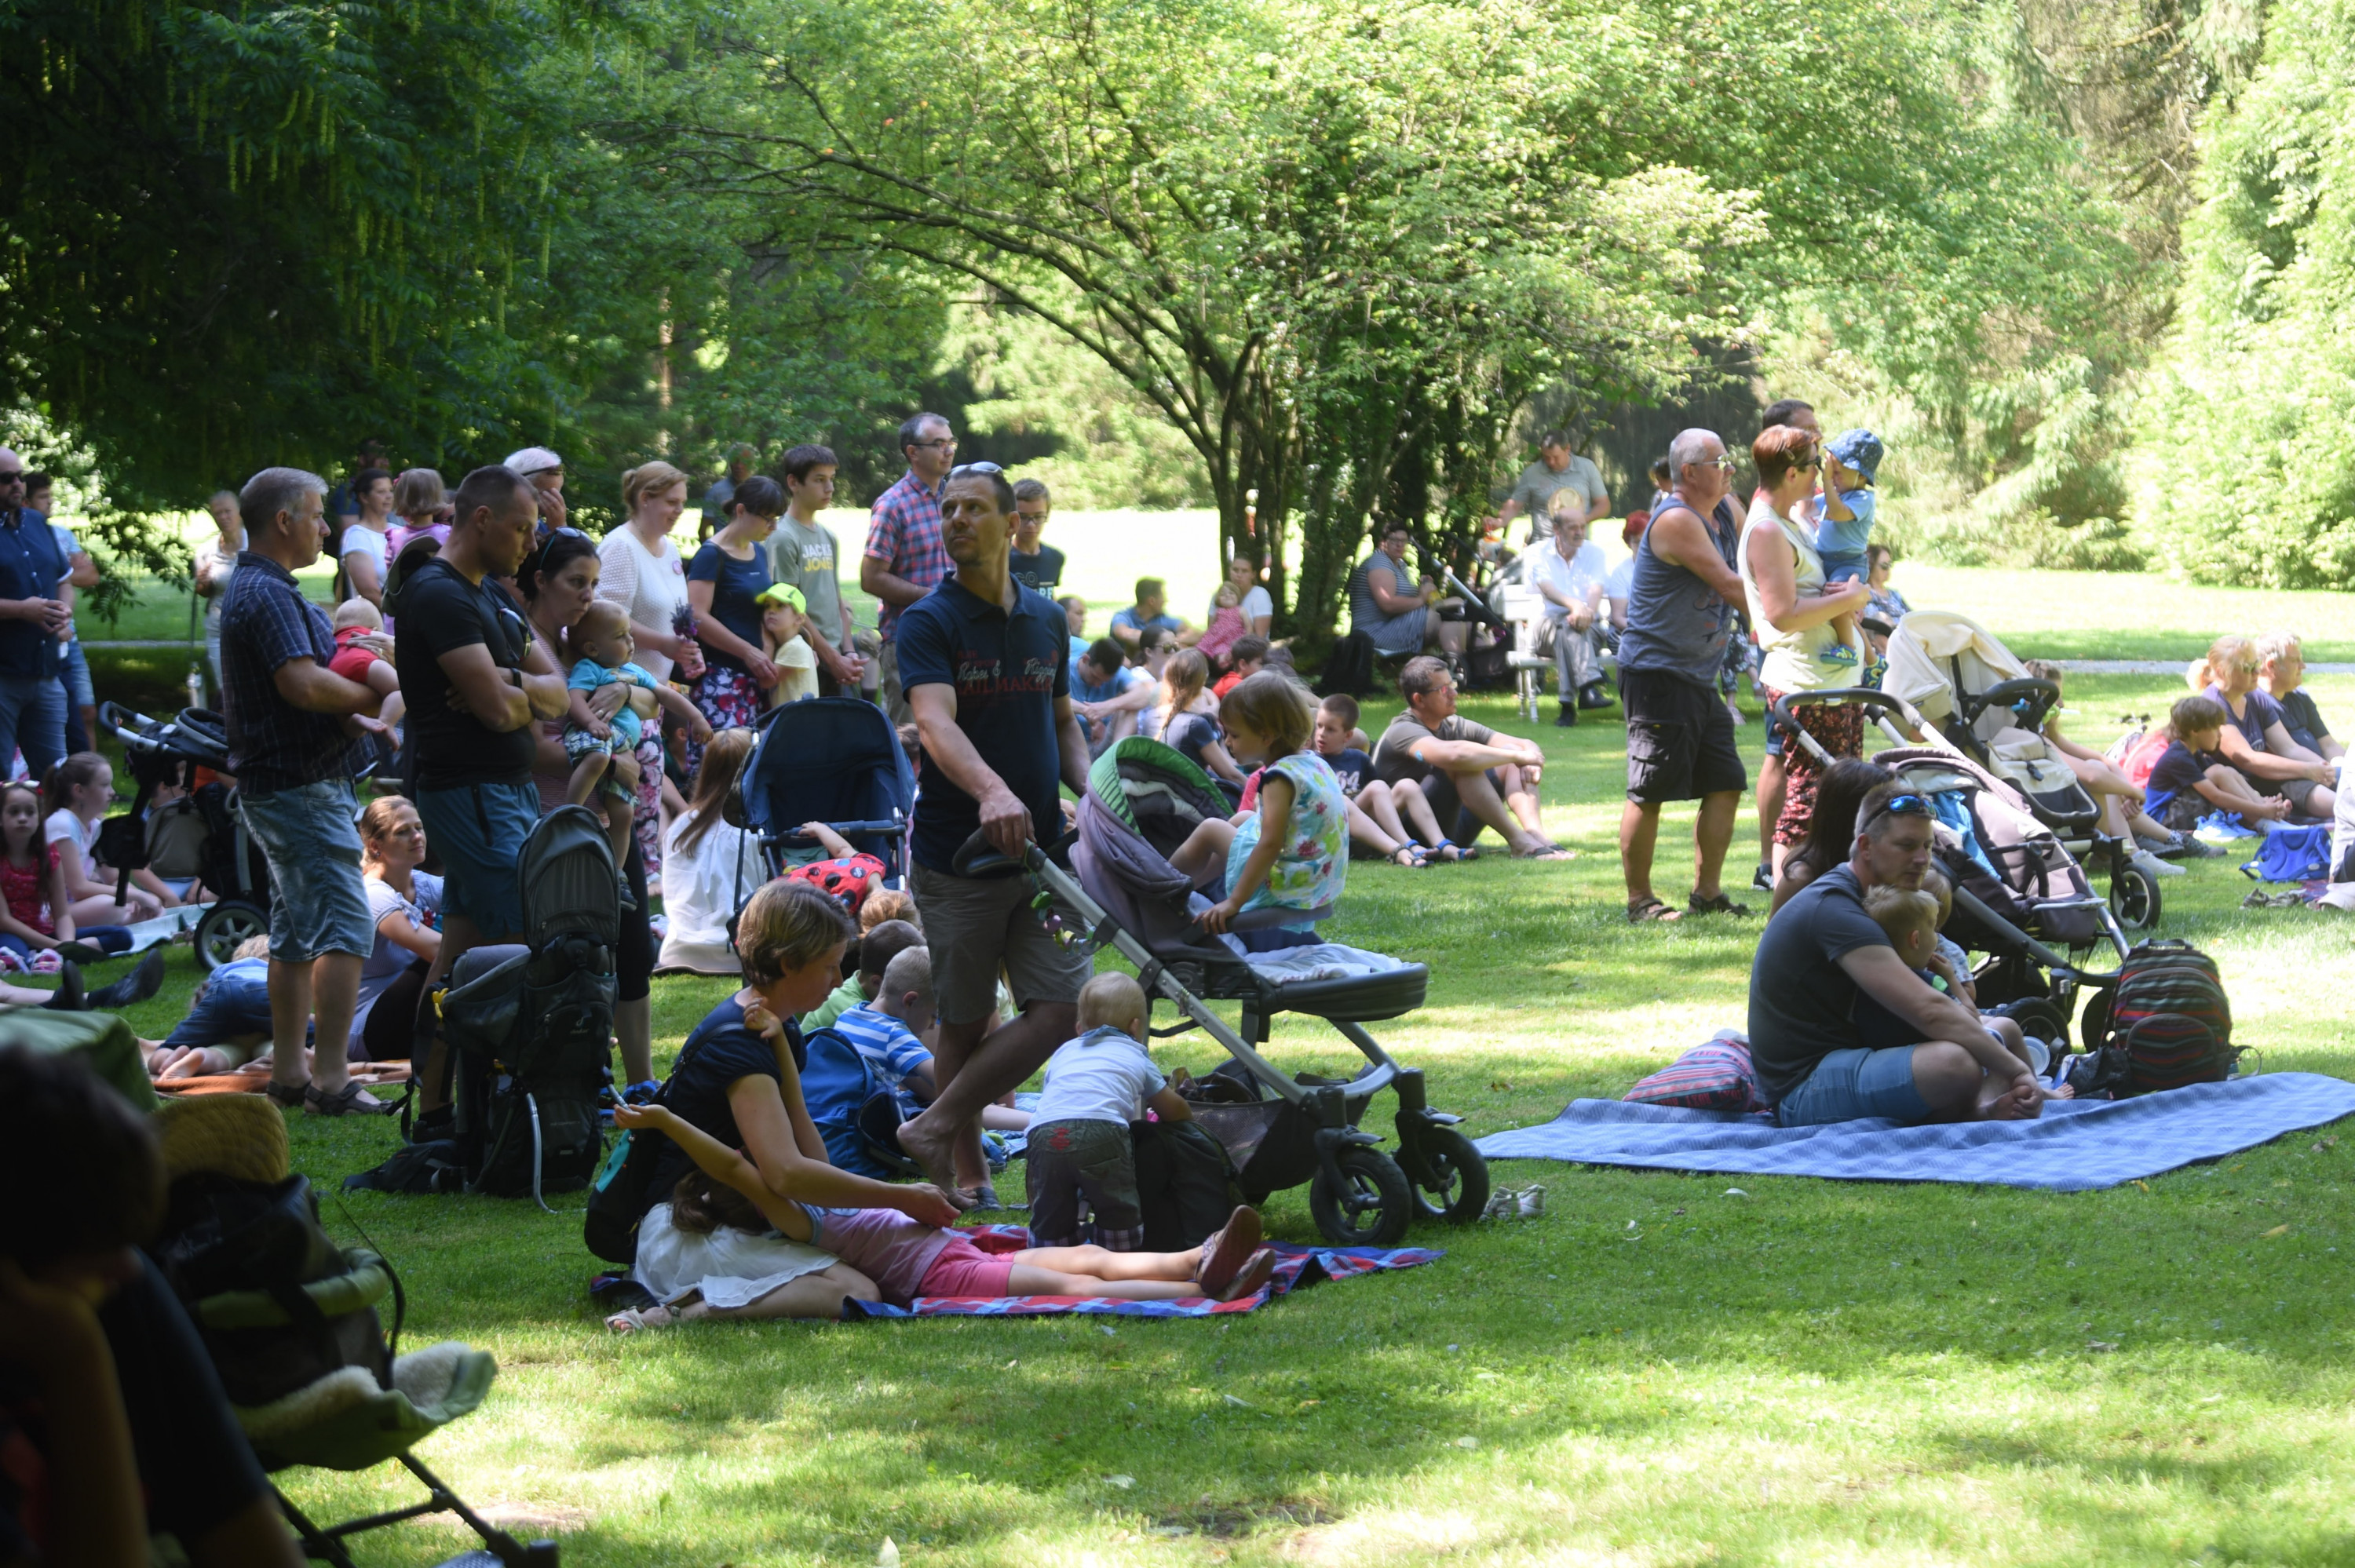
(1558, 468)
(805, 553)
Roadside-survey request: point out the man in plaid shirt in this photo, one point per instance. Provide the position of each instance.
(292, 721)
(905, 559)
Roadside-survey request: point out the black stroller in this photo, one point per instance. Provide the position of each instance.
(198, 835)
(835, 760)
(2021, 897)
(1143, 799)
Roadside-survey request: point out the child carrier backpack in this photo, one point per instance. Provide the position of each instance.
(531, 1026)
(2292, 854)
(2165, 1023)
(278, 1304)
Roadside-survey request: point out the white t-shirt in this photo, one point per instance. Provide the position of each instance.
(649, 586)
(1575, 577)
(63, 825)
(359, 539)
(224, 566)
(1621, 584)
(700, 886)
(388, 959)
(1103, 1075)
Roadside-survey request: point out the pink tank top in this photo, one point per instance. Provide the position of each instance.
(884, 1245)
(28, 891)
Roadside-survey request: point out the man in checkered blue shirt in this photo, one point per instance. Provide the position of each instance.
(905, 559)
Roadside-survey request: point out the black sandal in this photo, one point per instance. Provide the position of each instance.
(1650, 911)
(288, 1096)
(1720, 905)
(344, 1101)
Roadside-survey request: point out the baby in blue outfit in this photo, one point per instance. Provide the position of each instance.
(1852, 457)
(606, 753)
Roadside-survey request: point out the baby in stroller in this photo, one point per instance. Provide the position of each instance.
(1294, 853)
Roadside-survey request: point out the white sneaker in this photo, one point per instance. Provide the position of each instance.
(1531, 1202)
(2151, 865)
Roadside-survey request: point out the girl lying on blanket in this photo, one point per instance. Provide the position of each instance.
(885, 1252)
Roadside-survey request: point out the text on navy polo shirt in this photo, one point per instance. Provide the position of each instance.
(1007, 670)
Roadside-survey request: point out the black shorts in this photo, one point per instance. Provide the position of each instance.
(1679, 741)
(1456, 818)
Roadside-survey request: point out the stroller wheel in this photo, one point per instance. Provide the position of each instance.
(1373, 1207)
(224, 926)
(2093, 1023)
(2134, 897)
(1453, 1184)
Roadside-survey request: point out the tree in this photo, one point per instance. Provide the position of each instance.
(1334, 246)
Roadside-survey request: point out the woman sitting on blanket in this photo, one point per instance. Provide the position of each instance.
(885, 1252)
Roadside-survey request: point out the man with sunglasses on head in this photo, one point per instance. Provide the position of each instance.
(988, 666)
(904, 559)
(1841, 1029)
(1681, 613)
(35, 618)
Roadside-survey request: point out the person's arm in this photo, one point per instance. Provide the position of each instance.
(403, 932)
(62, 920)
(1071, 749)
(1134, 698)
(2279, 742)
(719, 640)
(52, 615)
(784, 1169)
(1388, 600)
(1215, 759)
(78, 882)
(1773, 569)
(493, 698)
(1679, 537)
(1003, 817)
(2256, 764)
(1169, 1104)
(1276, 794)
(366, 569)
(207, 560)
(699, 729)
(876, 576)
(1128, 637)
(834, 843)
(1881, 974)
(1463, 755)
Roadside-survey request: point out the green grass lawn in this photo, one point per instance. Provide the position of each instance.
(1654, 1373)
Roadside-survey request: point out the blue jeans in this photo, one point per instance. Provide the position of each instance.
(1848, 1085)
(478, 830)
(80, 695)
(229, 1006)
(106, 939)
(317, 902)
(33, 720)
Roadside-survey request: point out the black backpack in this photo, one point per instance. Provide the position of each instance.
(278, 1304)
(531, 1027)
(1184, 1183)
(1349, 667)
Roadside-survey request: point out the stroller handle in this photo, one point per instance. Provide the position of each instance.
(979, 859)
(1873, 701)
(2041, 695)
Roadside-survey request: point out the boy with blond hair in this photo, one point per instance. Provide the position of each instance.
(1080, 1152)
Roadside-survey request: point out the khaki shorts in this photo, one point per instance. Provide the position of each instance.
(895, 701)
(974, 925)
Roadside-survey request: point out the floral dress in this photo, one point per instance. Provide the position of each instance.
(1314, 861)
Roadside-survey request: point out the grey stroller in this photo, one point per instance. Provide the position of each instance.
(1143, 799)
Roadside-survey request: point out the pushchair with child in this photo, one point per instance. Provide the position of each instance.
(1987, 706)
(1143, 799)
(835, 760)
(2021, 900)
(198, 835)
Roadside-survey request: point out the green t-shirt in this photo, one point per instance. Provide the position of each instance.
(845, 996)
(807, 555)
(1538, 484)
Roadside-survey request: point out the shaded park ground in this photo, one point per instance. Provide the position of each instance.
(1655, 1372)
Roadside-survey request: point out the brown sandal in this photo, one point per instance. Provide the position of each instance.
(1650, 911)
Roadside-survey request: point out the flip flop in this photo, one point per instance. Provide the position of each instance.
(1546, 852)
(1650, 911)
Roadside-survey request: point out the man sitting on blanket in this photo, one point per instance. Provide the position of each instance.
(1823, 956)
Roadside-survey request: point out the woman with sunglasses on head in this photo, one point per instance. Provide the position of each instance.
(2257, 741)
(1807, 628)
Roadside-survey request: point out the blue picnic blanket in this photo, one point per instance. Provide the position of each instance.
(2076, 1146)
(1296, 1267)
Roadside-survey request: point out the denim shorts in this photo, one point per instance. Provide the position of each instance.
(224, 1009)
(478, 830)
(317, 901)
(1851, 1084)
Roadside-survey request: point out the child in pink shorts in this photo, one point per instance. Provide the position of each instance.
(908, 1259)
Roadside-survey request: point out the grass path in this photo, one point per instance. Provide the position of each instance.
(1654, 1373)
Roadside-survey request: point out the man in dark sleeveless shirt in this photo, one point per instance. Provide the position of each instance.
(1679, 736)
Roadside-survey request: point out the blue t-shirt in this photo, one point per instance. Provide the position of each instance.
(870, 1051)
(1006, 670)
(1127, 619)
(2178, 767)
(2259, 713)
(734, 586)
(718, 1052)
(1851, 538)
(1351, 768)
(588, 675)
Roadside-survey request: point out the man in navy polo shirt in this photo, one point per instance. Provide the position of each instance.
(32, 620)
(986, 664)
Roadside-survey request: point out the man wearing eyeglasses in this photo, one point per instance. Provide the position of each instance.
(987, 663)
(34, 622)
(904, 559)
(1680, 608)
(1822, 963)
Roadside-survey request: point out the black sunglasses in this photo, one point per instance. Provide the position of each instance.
(964, 468)
(1904, 806)
(12, 474)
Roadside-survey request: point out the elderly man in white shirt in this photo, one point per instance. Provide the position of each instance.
(1569, 572)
